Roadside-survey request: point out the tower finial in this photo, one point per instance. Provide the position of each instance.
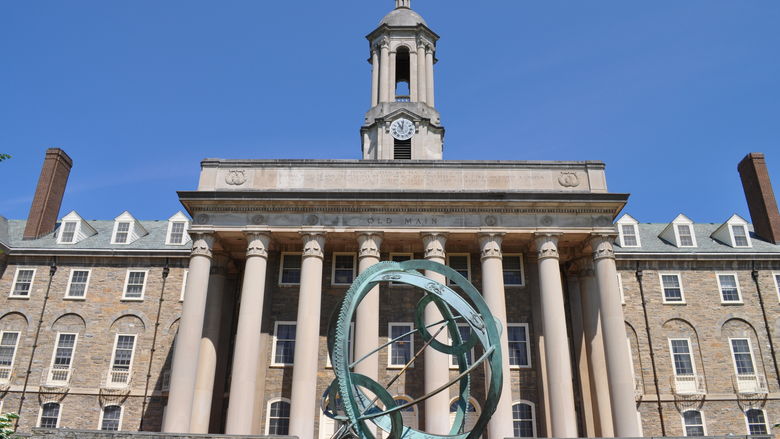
(403, 4)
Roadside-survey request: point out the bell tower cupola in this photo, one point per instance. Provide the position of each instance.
(403, 123)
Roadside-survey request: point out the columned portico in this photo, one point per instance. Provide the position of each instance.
(619, 373)
(500, 426)
(304, 398)
(187, 344)
(246, 351)
(367, 319)
(558, 360)
(437, 408)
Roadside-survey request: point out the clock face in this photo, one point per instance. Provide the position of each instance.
(402, 129)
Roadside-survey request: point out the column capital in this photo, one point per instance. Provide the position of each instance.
(202, 243)
(370, 243)
(257, 243)
(434, 243)
(602, 246)
(490, 245)
(547, 245)
(313, 244)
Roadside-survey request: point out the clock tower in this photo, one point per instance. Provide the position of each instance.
(403, 123)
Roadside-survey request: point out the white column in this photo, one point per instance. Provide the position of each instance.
(422, 74)
(367, 318)
(187, 344)
(429, 69)
(209, 345)
(374, 77)
(581, 368)
(245, 352)
(384, 72)
(500, 426)
(559, 376)
(392, 85)
(619, 373)
(303, 407)
(413, 85)
(437, 408)
(591, 322)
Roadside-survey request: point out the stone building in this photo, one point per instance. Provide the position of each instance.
(610, 328)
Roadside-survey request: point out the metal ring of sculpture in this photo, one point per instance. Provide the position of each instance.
(347, 392)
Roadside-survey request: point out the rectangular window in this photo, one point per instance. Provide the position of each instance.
(685, 235)
(743, 356)
(460, 263)
(122, 233)
(50, 415)
(343, 268)
(401, 349)
(77, 286)
(729, 288)
(23, 282)
(756, 421)
(290, 270)
(519, 348)
(111, 418)
(62, 358)
(693, 423)
(284, 343)
(176, 235)
(629, 235)
(124, 347)
(8, 344)
(135, 285)
(672, 287)
(681, 356)
(465, 334)
(513, 270)
(68, 233)
(740, 235)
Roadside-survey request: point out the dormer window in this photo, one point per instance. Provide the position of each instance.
(177, 230)
(122, 232)
(177, 233)
(739, 235)
(629, 235)
(685, 235)
(68, 232)
(127, 230)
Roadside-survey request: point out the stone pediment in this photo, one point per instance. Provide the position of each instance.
(389, 111)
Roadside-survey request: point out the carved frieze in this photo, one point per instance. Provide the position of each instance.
(236, 177)
(568, 179)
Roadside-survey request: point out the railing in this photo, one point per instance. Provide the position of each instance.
(5, 374)
(753, 383)
(117, 379)
(57, 376)
(689, 384)
(403, 99)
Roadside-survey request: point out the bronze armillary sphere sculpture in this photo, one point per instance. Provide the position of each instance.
(347, 401)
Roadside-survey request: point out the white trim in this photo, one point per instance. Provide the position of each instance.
(620, 287)
(268, 412)
(677, 234)
(776, 277)
(113, 358)
(86, 285)
(390, 327)
(333, 268)
(103, 411)
(130, 230)
(1, 406)
(281, 268)
(766, 421)
(16, 278)
(468, 265)
(274, 340)
(527, 345)
(734, 358)
(703, 421)
(452, 357)
(621, 234)
(718, 274)
(663, 290)
(13, 357)
(184, 237)
(533, 414)
(56, 348)
(59, 413)
(184, 278)
(733, 239)
(143, 288)
(690, 354)
(522, 268)
(76, 232)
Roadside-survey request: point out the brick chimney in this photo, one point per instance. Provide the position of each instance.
(760, 197)
(48, 195)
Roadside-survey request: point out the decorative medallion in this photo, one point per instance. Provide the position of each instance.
(202, 219)
(491, 221)
(236, 177)
(568, 179)
(312, 220)
(258, 219)
(547, 221)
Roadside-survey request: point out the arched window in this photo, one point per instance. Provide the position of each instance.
(472, 413)
(402, 74)
(111, 419)
(409, 414)
(278, 418)
(523, 419)
(693, 423)
(50, 415)
(756, 422)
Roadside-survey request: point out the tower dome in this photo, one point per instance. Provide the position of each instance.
(402, 16)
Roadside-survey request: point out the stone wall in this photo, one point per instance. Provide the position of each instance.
(91, 434)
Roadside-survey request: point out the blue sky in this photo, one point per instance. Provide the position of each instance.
(670, 94)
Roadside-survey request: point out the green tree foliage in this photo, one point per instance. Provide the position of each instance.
(4, 157)
(7, 425)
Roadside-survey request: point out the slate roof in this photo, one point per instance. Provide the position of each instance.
(154, 241)
(652, 243)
